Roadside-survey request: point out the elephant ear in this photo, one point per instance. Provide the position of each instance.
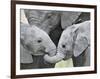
(81, 43)
(23, 29)
(25, 55)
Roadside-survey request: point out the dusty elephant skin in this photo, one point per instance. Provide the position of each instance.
(68, 17)
(38, 43)
(44, 19)
(51, 22)
(74, 41)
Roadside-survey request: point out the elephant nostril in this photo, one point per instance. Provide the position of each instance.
(63, 46)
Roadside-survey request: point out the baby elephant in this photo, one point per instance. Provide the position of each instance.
(35, 41)
(74, 43)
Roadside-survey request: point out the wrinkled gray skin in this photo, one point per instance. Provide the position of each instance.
(68, 18)
(35, 41)
(51, 22)
(46, 20)
(74, 41)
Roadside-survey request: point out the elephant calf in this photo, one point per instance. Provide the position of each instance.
(74, 43)
(35, 42)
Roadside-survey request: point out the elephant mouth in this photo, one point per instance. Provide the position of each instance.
(43, 52)
(39, 52)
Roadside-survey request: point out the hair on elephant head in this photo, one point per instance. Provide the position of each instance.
(36, 41)
(73, 42)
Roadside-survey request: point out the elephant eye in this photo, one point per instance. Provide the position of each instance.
(39, 41)
(63, 46)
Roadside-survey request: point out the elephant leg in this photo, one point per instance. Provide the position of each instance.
(87, 63)
(33, 65)
(38, 63)
(79, 61)
(28, 66)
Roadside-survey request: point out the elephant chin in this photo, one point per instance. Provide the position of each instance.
(54, 59)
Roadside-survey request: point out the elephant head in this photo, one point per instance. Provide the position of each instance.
(73, 41)
(36, 41)
(44, 19)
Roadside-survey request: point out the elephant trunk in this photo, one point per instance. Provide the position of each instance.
(54, 59)
(50, 47)
(51, 52)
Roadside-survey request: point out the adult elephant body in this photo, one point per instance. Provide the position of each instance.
(44, 19)
(74, 41)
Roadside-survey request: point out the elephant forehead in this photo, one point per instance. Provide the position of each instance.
(66, 38)
(40, 32)
(36, 32)
(66, 34)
